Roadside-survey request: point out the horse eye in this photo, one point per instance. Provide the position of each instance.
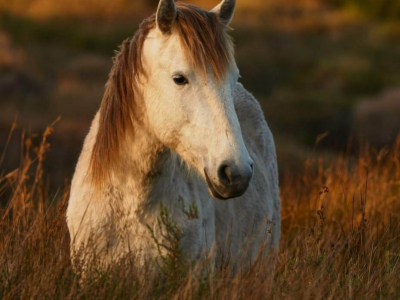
(180, 80)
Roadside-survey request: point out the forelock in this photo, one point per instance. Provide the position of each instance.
(204, 39)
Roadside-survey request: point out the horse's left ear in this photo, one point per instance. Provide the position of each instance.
(225, 11)
(166, 14)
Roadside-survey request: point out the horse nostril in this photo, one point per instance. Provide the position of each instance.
(233, 179)
(224, 175)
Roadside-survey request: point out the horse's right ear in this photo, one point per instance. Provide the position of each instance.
(166, 15)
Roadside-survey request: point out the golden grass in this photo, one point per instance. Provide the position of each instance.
(340, 240)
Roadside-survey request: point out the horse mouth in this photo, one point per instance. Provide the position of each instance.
(213, 190)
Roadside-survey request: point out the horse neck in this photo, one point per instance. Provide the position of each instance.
(143, 162)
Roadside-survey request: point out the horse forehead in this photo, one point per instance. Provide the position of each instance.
(170, 48)
(167, 51)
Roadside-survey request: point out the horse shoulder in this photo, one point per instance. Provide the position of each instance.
(81, 192)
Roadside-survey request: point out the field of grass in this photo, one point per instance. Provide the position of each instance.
(340, 240)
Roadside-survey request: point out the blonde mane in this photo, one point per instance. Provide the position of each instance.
(206, 44)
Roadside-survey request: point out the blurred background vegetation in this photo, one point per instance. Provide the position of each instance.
(327, 72)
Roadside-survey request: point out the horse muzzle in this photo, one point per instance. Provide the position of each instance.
(232, 181)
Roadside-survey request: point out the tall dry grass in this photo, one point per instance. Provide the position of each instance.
(340, 240)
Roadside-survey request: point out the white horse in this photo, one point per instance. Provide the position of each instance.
(175, 124)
